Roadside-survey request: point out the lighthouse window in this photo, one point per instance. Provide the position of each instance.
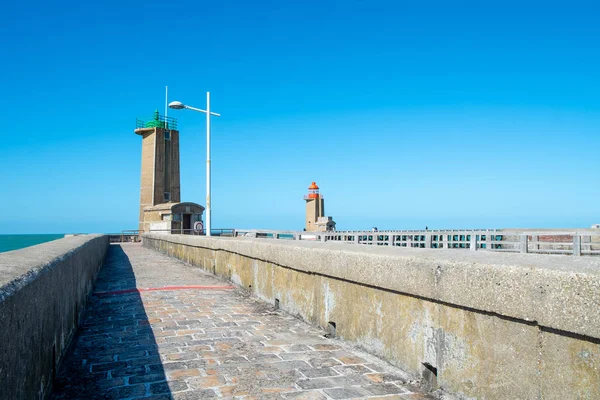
(167, 135)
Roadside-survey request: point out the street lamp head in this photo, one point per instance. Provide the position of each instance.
(176, 105)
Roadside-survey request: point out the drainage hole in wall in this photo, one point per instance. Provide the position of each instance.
(430, 376)
(431, 368)
(331, 330)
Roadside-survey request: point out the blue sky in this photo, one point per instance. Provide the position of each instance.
(447, 114)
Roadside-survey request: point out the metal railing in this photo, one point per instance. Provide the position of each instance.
(574, 243)
(157, 121)
(498, 240)
(226, 232)
(129, 235)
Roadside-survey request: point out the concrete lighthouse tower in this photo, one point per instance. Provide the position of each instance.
(316, 221)
(161, 209)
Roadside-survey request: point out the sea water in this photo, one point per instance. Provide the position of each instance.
(15, 242)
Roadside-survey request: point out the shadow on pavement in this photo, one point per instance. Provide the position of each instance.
(115, 354)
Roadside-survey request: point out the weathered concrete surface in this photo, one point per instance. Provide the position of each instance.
(208, 341)
(43, 290)
(491, 323)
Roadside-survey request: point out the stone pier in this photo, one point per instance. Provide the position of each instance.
(159, 328)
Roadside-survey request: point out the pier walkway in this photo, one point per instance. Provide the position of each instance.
(161, 329)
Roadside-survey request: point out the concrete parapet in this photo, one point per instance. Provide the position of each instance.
(43, 291)
(487, 325)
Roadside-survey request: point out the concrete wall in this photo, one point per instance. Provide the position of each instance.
(43, 291)
(147, 171)
(493, 325)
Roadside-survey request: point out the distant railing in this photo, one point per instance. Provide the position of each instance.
(179, 231)
(227, 232)
(578, 244)
(498, 240)
(133, 235)
(130, 235)
(157, 121)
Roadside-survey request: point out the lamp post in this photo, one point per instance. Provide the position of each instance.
(178, 106)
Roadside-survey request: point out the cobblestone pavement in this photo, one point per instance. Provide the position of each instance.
(193, 343)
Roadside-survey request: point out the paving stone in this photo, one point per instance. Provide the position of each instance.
(305, 395)
(157, 397)
(416, 396)
(124, 392)
(323, 362)
(325, 347)
(146, 378)
(318, 372)
(318, 383)
(128, 371)
(207, 382)
(183, 373)
(297, 348)
(131, 354)
(194, 395)
(344, 393)
(195, 344)
(348, 358)
(385, 377)
(352, 369)
(168, 387)
(108, 366)
(168, 366)
(384, 389)
(180, 356)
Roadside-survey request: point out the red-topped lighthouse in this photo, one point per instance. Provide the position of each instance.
(313, 191)
(315, 211)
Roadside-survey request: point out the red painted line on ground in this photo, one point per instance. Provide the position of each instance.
(164, 288)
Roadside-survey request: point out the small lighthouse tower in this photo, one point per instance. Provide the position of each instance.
(316, 221)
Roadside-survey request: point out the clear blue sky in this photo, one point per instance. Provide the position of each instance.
(447, 114)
